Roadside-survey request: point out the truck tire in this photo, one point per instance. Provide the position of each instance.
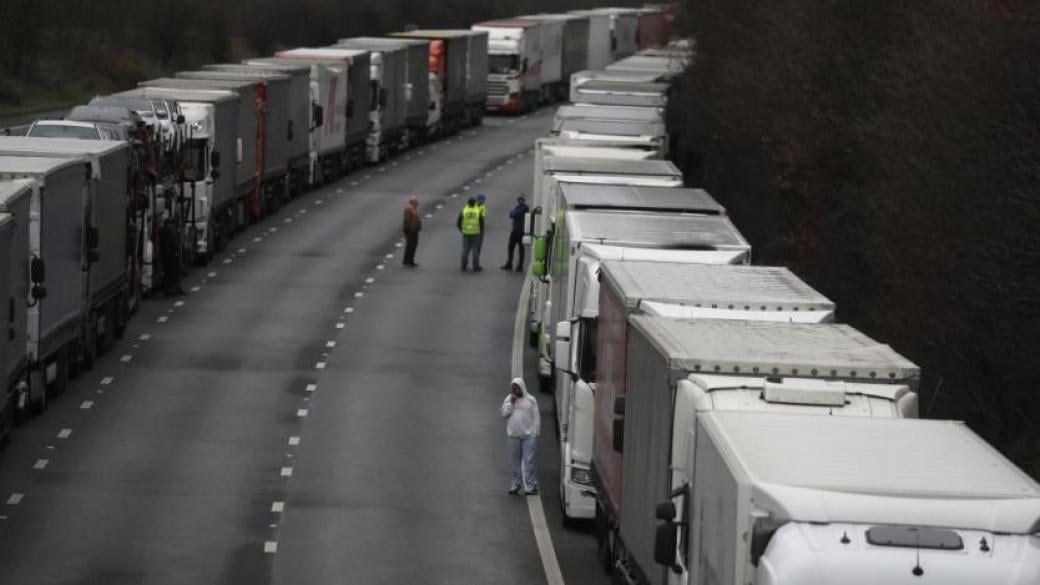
(61, 377)
(37, 405)
(532, 339)
(545, 384)
(603, 548)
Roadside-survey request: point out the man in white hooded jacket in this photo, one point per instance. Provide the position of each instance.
(523, 422)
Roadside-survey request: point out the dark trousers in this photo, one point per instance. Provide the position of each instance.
(470, 249)
(516, 240)
(411, 242)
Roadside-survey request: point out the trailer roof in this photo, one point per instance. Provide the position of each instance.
(374, 43)
(610, 166)
(322, 53)
(785, 349)
(275, 64)
(435, 33)
(68, 146)
(624, 87)
(240, 72)
(558, 16)
(579, 195)
(519, 22)
(184, 94)
(36, 165)
(407, 41)
(185, 82)
(877, 471)
(668, 231)
(749, 288)
(617, 76)
(619, 113)
(610, 127)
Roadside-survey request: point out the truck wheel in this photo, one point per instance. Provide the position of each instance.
(61, 376)
(37, 404)
(545, 384)
(108, 338)
(603, 550)
(566, 520)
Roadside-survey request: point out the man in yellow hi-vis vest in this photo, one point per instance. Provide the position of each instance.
(471, 225)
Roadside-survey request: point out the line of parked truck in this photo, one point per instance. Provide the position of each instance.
(716, 424)
(93, 206)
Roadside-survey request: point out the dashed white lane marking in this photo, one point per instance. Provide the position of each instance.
(87, 404)
(270, 547)
(440, 206)
(195, 289)
(278, 507)
(287, 220)
(330, 344)
(369, 280)
(145, 337)
(287, 472)
(408, 157)
(241, 250)
(389, 255)
(382, 169)
(126, 358)
(294, 441)
(478, 181)
(380, 266)
(319, 366)
(398, 245)
(15, 499)
(302, 413)
(368, 176)
(227, 260)
(64, 433)
(466, 188)
(394, 164)
(211, 274)
(429, 215)
(302, 212)
(178, 304)
(542, 536)
(41, 464)
(353, 183)
(422, 151)
(454, 195)
(340, 325)
(272, 229)
(318, 202)
(257, 240)
(163, 319)
(348, 310)
(358, 295)
(107, 380)
(312, 387)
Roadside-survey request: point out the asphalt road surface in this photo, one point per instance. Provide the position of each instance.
(312, 413)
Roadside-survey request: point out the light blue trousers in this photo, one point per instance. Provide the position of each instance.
(521, 457)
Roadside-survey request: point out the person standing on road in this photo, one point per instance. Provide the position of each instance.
(471, 225)
(516, 235)
(412, 226)
(482, 207)
(523, 423)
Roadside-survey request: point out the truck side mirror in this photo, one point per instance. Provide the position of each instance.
(92, 238)
(38, 292)
(317, 115)
(665, 541)
(214, 159)
(618, 425)
(37, 271)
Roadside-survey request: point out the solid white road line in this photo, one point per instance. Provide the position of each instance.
(542, 536)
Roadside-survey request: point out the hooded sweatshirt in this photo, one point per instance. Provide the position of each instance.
(522, 416)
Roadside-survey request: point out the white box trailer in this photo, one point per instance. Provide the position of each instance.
(514, 78)
(388, 75)
(106, 294)
(15, 291)
(581, 77)
(777, 499)
(553, 82)
(57, 218)
(611, 113)
(417, 87)
(649, 135)
(673, 369)
(211, 154)
(299, 116)
(328, 126)
(576, 30)
(354, 67)
(621, 93)
(706, 281)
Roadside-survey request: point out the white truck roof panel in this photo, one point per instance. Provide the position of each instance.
(182, 94)
(602, 166)
(582, 195)
(675, 231)
(721, 346)
(877, 471)
(71, 147)
(610, 127)
(11, 189)
(619, 113)
(748, 288)
(36, 165)
(624, 87)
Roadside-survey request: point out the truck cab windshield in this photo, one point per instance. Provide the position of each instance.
(503, 64)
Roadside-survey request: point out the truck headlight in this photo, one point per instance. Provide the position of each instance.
(582, 476)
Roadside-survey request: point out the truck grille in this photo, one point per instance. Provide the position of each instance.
(497, 88)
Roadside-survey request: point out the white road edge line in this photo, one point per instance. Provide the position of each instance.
(542, 537)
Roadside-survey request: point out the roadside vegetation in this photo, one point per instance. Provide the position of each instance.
(889, 152)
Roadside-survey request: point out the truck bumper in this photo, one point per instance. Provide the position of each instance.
(579, 501)
(506, 104)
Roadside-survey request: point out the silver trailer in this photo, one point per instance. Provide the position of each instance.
(57, 208)
(574, 47)
(417, 87)
(582, 77)
(612, 113)
(667, 67)
(106, 299)
(299, 120)
(620, 93)
(476, 76)
(14, 291)
(247, 174)
(272, 155)
(450, 63)
(650, 135)
(389, 59)
(211, 149)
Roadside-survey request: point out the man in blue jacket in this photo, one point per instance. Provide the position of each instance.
(516, 235)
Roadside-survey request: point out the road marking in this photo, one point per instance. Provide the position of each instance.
(15, 499)
(429, 216)
(478, 181)
(421, 151)
(257, 240)
(126, 358)
(145, 337)
(87, 404)
(440, 206)
(542, 536)
(353, 183)
(369, 280)
(270, 547)
(64, 433)
(287, 472)
(319, 366)
(294, 441)
(408, 158)
(302, 413)
(163, 319)
(398, 245)
(272, 229)
(106, 380)
(368, 177)
(41, 464)
(389, 255)
(211, 275)
(330, 344)
(278, 507)
(358, 295)
(348, 310)
(340, 325)
(288, 220)
(196, 289)
(312, 387)
(394, 164)
(380, 266)
(178, 304)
